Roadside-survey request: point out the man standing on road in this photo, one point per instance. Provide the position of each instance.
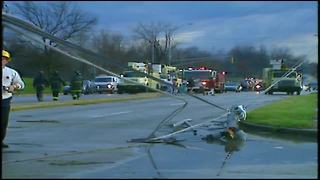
(56, 83)
(11, 81)
(40, 82)
(76, 85)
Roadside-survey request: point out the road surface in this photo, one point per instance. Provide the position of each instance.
(91, 142)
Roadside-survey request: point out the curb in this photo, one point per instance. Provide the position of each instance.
(304, 132)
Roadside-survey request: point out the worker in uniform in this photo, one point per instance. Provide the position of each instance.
(211, 84)
(11, 81)
(174, 86)
(40, 82)
(56, 83)
(76, 85)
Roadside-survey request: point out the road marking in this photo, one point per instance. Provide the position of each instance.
(111, 114)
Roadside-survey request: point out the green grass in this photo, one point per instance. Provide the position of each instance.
(294, 112)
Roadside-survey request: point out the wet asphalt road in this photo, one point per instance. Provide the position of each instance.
(91, 142)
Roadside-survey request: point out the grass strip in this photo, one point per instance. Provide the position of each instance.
(294, 112)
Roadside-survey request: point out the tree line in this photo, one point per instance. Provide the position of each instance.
(153, 43)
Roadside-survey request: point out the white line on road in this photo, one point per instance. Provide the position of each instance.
(111, 114)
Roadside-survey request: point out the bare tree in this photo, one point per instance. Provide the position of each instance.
(110, 45)
(160, 36)
(61, 19)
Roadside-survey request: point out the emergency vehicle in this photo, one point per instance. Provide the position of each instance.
(204, 78)
(134, 75)
(279, 73)
(170, 74)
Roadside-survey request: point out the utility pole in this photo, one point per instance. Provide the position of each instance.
(153, 51)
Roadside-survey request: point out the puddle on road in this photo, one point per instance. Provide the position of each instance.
(196, 158)
(4, 151)
(75, 162)
(39, 121)
(15, 127)
(26, 144)
(25, 115)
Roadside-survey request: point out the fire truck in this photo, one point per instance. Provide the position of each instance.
(204, 78)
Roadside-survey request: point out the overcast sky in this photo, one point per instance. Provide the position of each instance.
(219, 25)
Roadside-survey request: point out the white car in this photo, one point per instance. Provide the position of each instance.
(104, 83)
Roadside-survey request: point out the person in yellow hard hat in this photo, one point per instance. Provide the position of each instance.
(11, 81)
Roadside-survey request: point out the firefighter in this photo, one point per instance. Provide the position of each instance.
(190, 84)
(11, 81)
(56, 83)
(174, 86)
(40, 82)
(76, 85)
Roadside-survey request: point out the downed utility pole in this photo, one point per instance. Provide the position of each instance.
(13, 22)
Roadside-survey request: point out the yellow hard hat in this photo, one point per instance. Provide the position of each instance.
(6, 54)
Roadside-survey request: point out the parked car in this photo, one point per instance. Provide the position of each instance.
(245, 84)
(258, 87)
(105, 83)
(232, 86)
(313, 86)
(66, 90)
(88, 87)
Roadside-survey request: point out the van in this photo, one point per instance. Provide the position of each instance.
(104, 83)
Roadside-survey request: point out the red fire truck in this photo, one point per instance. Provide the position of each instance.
(204, 79)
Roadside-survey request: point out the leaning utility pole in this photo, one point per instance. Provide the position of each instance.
(169, 59)
(153, 50)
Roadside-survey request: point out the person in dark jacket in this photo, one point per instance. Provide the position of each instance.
(56, 83)
(76, 85)
(40, 82)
